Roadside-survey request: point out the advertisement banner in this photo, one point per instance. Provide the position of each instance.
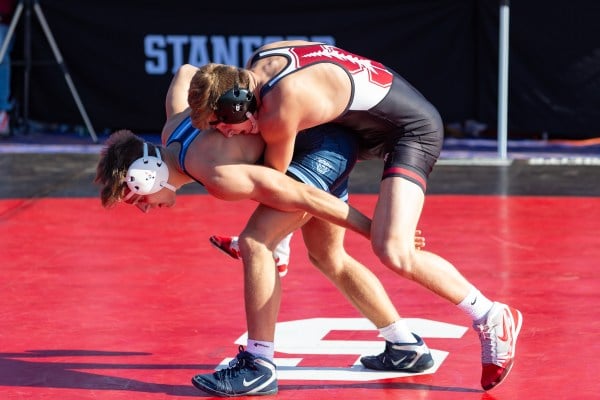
(122, 54)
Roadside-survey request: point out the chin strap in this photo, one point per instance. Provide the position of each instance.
(253, 121)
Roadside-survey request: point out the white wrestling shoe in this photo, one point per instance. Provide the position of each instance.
(229, 245)
(498, 335)
(281, 254)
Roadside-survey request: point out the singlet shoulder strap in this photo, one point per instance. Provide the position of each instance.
(184, 134)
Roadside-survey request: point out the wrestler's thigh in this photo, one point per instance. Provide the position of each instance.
(397, 214)
(269, 226)
(324, 241)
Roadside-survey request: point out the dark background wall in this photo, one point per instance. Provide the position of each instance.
(122, 54)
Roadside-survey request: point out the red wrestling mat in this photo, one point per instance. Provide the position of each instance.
(120, 305)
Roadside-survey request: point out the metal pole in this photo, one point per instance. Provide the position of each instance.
(26, 5)
(27, 68)
(60, 61)
(503, 79)
(11, 30)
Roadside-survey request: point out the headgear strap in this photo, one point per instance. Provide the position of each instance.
(233, 106)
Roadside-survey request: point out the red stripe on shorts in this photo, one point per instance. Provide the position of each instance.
(411, 175)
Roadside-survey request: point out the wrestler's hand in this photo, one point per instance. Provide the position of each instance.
(419, 240)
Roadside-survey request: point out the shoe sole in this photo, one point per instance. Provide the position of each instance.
(407, 370)
(217, 246)
(414, 369)
(208, 390)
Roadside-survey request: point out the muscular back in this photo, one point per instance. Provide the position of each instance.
(303, 99)
(317, 93)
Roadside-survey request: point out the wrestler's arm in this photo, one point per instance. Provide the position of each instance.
(279, 126)
(176, 104)
(279, 191)
(279, 148)
(176, 98)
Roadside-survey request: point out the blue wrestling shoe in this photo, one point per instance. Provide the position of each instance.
(401, 357)
(246, 375)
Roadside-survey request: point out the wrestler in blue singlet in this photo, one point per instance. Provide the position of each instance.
(323, 155)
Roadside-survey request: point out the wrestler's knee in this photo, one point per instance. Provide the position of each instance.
(251, 243)
(327, 261)
(397, 256)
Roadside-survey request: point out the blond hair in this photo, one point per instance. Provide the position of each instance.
(207, 85)
(121, 149)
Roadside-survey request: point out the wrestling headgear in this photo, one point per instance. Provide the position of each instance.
(234, 106)
(147, 175)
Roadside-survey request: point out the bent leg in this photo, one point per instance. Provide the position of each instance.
(404, 351)
(361, 287)
(262, 288)
(396, 217)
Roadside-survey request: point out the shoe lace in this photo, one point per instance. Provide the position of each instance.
(240, 362)
(488, 338)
